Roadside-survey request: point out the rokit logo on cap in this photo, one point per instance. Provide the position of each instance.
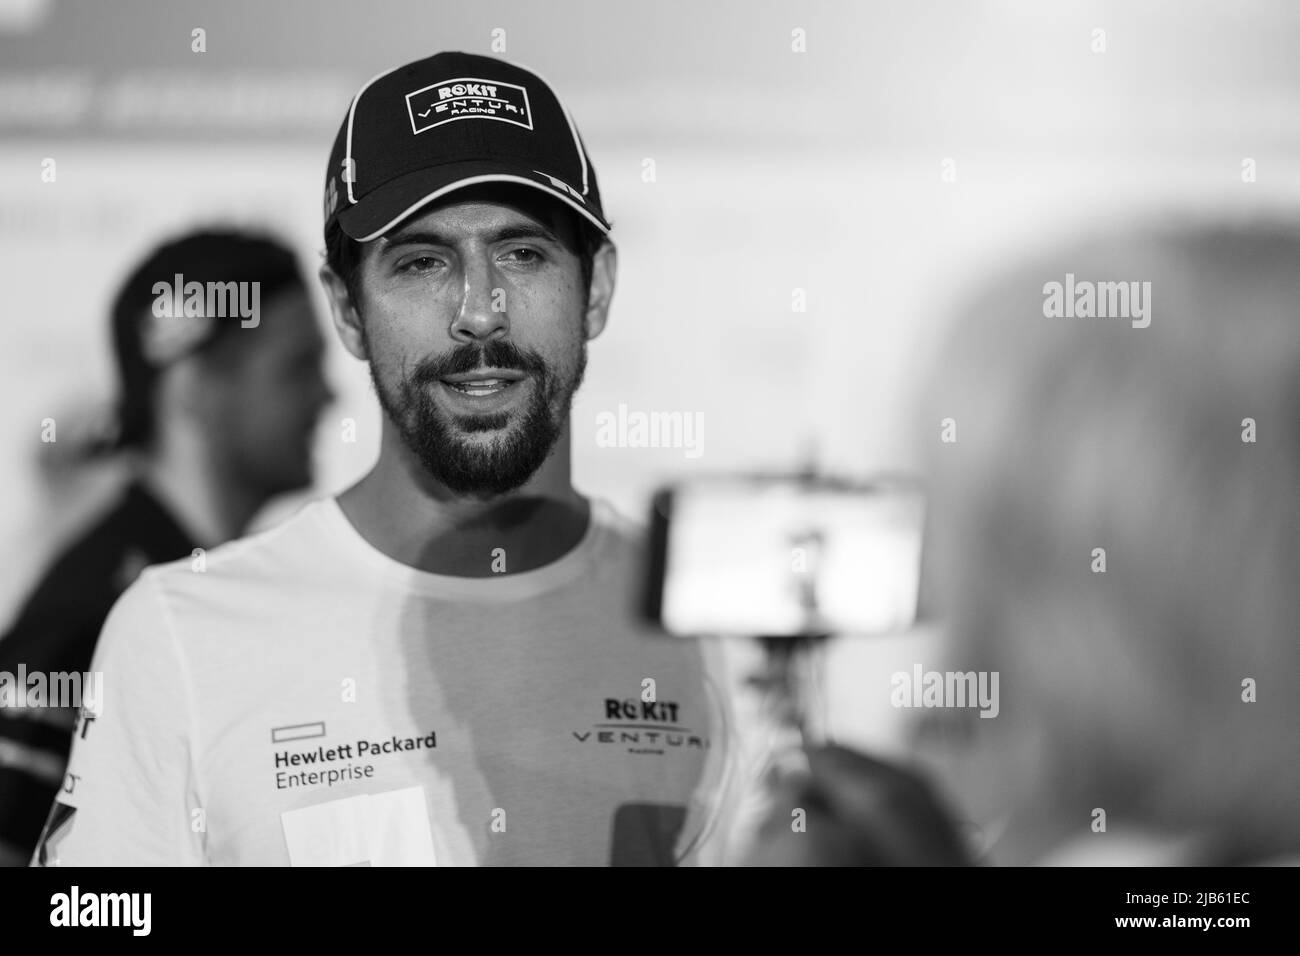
(468, 98)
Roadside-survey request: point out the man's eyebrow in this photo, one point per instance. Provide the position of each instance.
(427, 237)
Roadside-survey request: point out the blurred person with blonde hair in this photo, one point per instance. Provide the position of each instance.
(1116, 534)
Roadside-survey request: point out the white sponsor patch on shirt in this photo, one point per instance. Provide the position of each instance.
(370, 829)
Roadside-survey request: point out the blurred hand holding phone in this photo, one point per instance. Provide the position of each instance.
(788, 560)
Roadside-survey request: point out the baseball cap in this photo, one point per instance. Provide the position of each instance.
(420, 131)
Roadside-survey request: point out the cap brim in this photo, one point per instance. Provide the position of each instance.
(395, 201)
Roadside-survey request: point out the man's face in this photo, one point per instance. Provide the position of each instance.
(271, 397)
(473, 322)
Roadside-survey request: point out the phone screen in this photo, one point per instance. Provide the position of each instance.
(785, 557)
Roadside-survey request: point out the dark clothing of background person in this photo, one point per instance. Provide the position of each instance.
(56, 631)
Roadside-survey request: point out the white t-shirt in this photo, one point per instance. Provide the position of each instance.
(299, 698)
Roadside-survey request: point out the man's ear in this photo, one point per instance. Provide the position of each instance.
(604, 267)
(347, 320)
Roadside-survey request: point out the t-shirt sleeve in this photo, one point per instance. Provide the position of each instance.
(34, 741)
(130, 797)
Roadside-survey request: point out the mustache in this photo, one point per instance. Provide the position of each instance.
(500, 354)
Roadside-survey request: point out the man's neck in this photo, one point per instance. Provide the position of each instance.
(210, 509)
(416, 521)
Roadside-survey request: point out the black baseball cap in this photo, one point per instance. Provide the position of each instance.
(420, 131)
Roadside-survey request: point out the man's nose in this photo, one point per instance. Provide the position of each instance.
(482, 314)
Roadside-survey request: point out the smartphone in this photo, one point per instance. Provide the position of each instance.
(784, 556)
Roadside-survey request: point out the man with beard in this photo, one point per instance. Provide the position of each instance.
(439, 665)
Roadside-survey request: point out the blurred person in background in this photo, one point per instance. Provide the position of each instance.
(1148, 710)
(216, 413)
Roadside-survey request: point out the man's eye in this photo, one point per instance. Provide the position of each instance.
(524, 256)
(418, 264)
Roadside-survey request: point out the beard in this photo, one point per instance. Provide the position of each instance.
(473, 467)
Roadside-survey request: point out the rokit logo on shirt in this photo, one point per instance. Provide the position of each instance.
(468, 98)
(643, 727)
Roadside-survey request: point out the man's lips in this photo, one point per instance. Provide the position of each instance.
(484, 376)
(483, 384)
